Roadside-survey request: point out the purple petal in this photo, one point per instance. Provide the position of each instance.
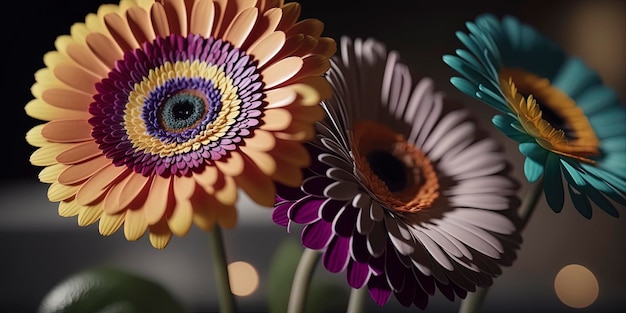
(306, 210)
(394, 269)
(279, 215)
(426, 282)
(337, 254)
(346, 222)
(317, 235)
(358, 273)
(331, 208)
(359, 248)
(421, 299)
(379, 290)
(409, 291)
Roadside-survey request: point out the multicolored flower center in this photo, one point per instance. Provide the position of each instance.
(177, 105)
(398, 173)
(549, 115)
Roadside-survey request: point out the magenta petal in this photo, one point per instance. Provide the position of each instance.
(279, 215)
(359, 248)
(337, 254)
(358, 273)
(379, 290)
(346, 222)
(306, 210)
(317, 235)
(331, 208)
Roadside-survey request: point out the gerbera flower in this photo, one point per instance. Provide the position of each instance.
(158, 112)
(567, 122)
(402, 194)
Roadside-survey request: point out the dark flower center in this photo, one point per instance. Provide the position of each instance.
(182, 111)
(389, 169)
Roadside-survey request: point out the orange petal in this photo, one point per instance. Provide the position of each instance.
(291, 152)
(109, 224)
(119, 30)
(261, 141)
(104, 48)
(291, 44)
(205, 211)
(310, 26)
(291, 13)
(159, 20)
(76, 77)
(264, 50)
(288, 174)
(160, 235)
(280, 97)
(241, 27)
(306, 114)
(264, 26)
(325, 46)
(182, 217)
(313, 89)
(79, 153)
(98, 184)
(184, 187)
(256, 184)
(207, 178)
(67, 131)
(231, 165)
(281, 71)
(314, 65)
(85, 58)
(227, 216)
(227, 195)
(41, 110)
(112, 197)
(276, 119)
(135, 189)
(67, 99)
(59, 192)
(228, 10)
(139, 23)
(135, 225)
(176, 16)
(78, 173)
(158, 199)
(263, 160)
(202, 18)
(88, 215)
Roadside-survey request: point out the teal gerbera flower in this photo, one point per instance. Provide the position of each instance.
(568, 123)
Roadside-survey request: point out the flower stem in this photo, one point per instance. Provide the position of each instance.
(474, 301)
(220, 269)
(357, 300)
(302, 280)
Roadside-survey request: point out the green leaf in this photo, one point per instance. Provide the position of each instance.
(108, 290)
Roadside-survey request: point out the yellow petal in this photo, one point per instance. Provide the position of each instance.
(182, 217)
(135, 225)
(41, 110)
(88, 215)
(34, 138)
(207, 178)
(109, 224)
(68, 208)
(281, 71)
(241, 27)
(50, 173)
(202, 18)
(160, 235)
(227, 193)
(59, 192)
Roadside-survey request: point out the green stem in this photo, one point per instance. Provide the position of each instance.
(302, 280)
(474, 301)
(357, 300)
(220, 269)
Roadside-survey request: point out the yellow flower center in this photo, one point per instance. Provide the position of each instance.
(395, 171)
(549, 115)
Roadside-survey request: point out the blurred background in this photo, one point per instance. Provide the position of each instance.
(41, 248)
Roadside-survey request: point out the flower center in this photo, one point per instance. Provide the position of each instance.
(395, 171)
(182, 111)
(549, 115)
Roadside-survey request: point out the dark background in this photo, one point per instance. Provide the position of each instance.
(41, 248)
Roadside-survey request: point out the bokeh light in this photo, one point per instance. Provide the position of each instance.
(244, 278)
(576, 286)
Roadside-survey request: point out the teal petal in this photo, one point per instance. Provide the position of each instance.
(574, 174)
(553, 183)
(534, 151)
(493, 98)
(503, 123)
(619, 182)
(615, 162)
(581, 203)
(596, 99)
(605, 188)
(468, 70)
(609, 123)
(513, 32)
(464, 86)
(613, 144)
(532, 170)
(599, 200)
(574, 77)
